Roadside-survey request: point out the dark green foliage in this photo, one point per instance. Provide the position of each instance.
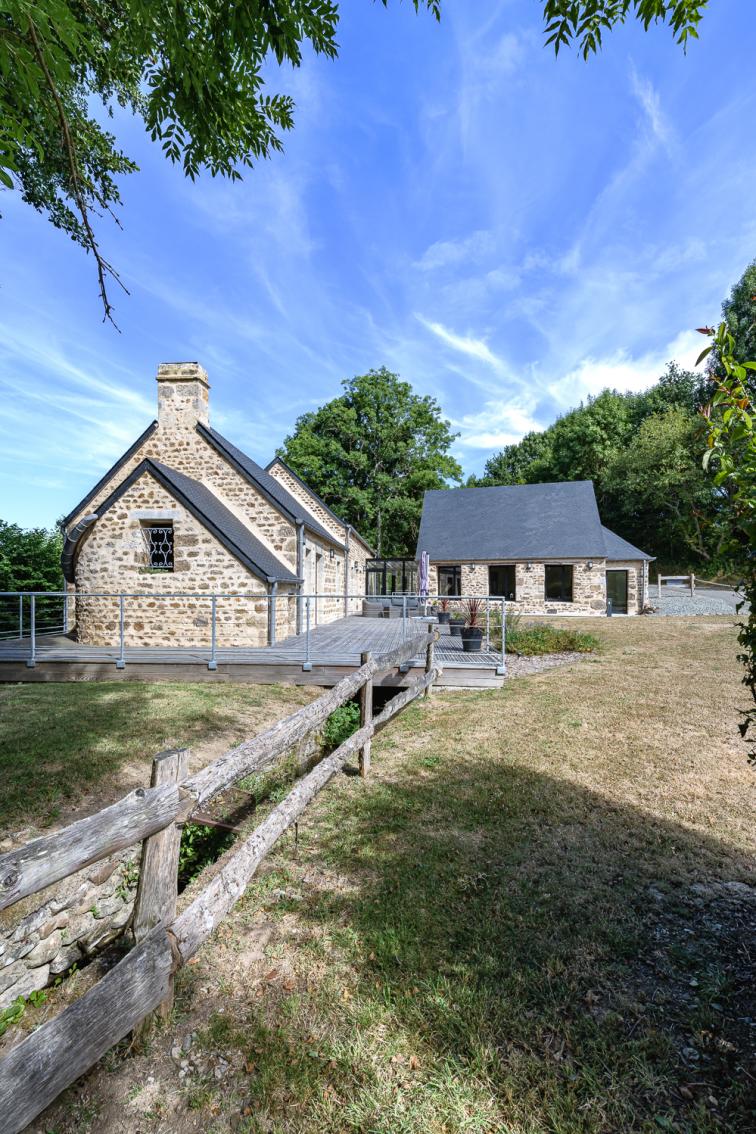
(372, 453)
(341, 724)
(642, 451)
(30, 561)
(583, 22)
(739, 314)
(200, 845)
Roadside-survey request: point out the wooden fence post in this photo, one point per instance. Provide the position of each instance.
(429, 660)
(366, 716)
(158, 872)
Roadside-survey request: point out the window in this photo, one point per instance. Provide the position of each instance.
(559, 582)
(391, 576)
(159, 541)
(501, 581)
(450, 580)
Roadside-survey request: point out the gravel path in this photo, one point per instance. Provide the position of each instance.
(677, 601)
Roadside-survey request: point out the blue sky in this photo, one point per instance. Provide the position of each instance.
(508, 231)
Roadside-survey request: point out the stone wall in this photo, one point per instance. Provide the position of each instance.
(44, 935)
(358, 552)
(113, 558)
(588, 586)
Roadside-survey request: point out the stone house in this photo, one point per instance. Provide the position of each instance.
(185, 514)
(542, 547)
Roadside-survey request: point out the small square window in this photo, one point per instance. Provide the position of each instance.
(159, 541)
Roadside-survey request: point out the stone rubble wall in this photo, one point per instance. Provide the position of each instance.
(358, 552)
(42, 936)
(113, 558)
(589, 586)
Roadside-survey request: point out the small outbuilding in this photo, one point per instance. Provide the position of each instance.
(542, 547)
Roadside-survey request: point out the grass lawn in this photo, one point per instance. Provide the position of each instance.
(73, 747)
(537, 915)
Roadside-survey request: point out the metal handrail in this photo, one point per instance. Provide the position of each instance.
(214, 596)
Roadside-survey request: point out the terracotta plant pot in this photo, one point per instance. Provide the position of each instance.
(472, 639)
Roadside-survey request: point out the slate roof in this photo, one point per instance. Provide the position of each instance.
(267, 484)
(319, 499)
(520, 521)
(111, 472)
(619, 548)
(227, 528)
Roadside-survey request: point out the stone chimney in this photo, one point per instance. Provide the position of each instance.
(183, 395)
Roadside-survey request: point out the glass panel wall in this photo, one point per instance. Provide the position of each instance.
(391, 576)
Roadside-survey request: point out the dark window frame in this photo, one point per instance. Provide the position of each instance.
(564, 582)
(455, 571)
(382, 569)
(160, 541)
(510, 591)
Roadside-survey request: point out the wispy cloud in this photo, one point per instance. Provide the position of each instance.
(476, 348)
(650, 103)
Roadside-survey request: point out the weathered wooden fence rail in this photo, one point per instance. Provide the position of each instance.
(48, 1060)
(688, 580)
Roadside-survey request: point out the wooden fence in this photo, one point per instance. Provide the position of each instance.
(688, 580)
(37, 1069)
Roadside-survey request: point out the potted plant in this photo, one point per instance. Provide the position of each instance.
(456, 622)
(443, 612)
(472, 632)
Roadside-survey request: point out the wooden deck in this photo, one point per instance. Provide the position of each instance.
(334, 650)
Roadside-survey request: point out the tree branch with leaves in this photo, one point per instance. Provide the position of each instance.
(731, 457)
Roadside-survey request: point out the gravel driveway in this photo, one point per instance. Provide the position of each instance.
(707, 600)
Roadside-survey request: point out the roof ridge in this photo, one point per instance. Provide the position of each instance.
(288, 506)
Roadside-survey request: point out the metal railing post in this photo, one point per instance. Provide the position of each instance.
(20, 616)
(121, 663)
(488, 623)
(65, 613)
(307, 664)
(272, 604)
(502, 669)
(213, 663)
(31, 661)
(404, 616)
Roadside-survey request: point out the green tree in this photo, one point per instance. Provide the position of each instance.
(655, 488)
(195, 73)
(372, 453)
(518, 463)
(30, 558)
(617, 440)
(29, 561)
(739, 314)
(731, 456)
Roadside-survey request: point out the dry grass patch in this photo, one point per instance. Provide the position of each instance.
(536, 916)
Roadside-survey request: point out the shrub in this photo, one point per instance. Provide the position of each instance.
(200, 845)
(544, 639)
(341, 724)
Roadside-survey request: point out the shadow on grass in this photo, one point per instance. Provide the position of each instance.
(572, 965)
(59, 742)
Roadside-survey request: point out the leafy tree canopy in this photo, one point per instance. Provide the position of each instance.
(642, 451)
(739, 314)
(29, 559)
(194, 73)
(372, 453)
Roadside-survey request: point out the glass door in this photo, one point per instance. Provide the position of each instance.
(616, 591)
